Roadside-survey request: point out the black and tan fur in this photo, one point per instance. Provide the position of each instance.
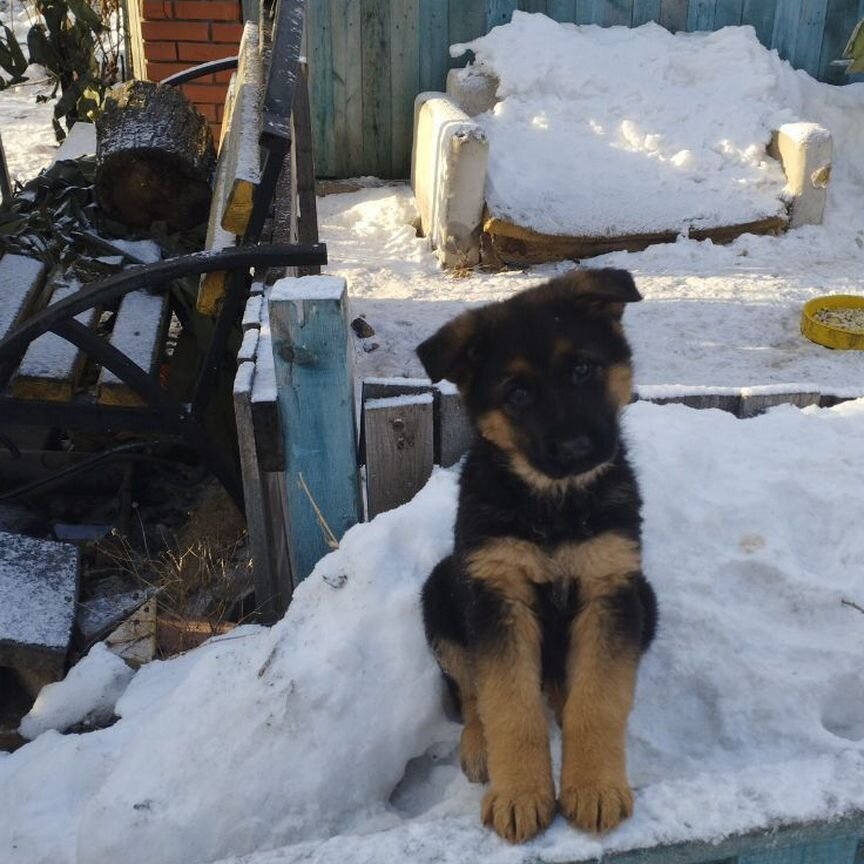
(544, 590)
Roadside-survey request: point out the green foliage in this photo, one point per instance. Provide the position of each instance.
(78, 49)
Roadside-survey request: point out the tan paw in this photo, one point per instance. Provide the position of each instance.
(472, 754)
(596, 807)
(518, 815)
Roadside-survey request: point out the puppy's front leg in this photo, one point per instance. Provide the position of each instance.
(507, 669)
(521, 798)
(601, 671)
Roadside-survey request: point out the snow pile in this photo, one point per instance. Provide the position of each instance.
(617, 131)
(326, 735)
(87, 694)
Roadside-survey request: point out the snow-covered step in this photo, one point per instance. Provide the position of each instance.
(20, 280)
(137, 333)
(51, 366)
(38, 590)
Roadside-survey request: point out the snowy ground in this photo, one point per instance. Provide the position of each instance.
(28, 138)
(325, 737)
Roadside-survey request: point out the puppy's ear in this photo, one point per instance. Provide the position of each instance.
(605, 290)
(450, 352)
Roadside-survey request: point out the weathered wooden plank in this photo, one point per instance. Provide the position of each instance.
(387, 388)
(138, 332)
(673, 14)
(645, 11)
(826, 842)
(500, 11)
(405, 81)
(321, 83)
(399, 449)
(760, 15)
(466, 21)
(838, 850)
(51, 366)
(533, 6)
(727, 13)
(811, 29)
(435, 54)
(268, 600)
(785, 34)
(212, 286)
(584, 13)
(840, 18)
(243, 168)
(562, 10)
(753, 403)
(700, 15)
(347, 58)
(617, 12)
(453, 430)
(303, 168)
(377, 100)
(314, 382)
(21, 281)
(265, 409)
(598, 11)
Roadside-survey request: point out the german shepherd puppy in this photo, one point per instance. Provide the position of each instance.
(544, 589)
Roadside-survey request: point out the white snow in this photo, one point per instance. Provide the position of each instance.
(324, 738)
(400, 401)
(307, 288)
(87, 693)
(140, 320)
(51, 356)
(25, 125)
(652, 140)
(326, 734)
(713, 316)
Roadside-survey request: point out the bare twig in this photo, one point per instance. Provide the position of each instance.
(853, 605)
(329, 536)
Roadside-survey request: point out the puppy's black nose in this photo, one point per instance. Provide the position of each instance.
(573, 450)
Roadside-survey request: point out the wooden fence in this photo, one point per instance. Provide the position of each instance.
(370, 58)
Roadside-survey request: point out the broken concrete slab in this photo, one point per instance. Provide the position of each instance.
(804, 150)
(448, 174)
(39, 582)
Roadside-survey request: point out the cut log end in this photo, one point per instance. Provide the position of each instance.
(155, 157)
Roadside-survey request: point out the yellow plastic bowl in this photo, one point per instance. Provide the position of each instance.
(825, 334)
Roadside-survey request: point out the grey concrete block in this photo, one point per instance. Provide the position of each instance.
(804, 150)
(448, 174)
(38, 589)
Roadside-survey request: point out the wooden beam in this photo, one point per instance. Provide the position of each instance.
(314, 381)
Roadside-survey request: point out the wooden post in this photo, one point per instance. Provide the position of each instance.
(398, 434)
(453, 431)
(314, 382)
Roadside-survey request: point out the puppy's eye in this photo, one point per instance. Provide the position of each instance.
(581, 370)
(519, 397)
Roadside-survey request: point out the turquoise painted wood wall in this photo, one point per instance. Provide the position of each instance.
(368, 59)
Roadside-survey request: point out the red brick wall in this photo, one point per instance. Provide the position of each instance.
(178, 34)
